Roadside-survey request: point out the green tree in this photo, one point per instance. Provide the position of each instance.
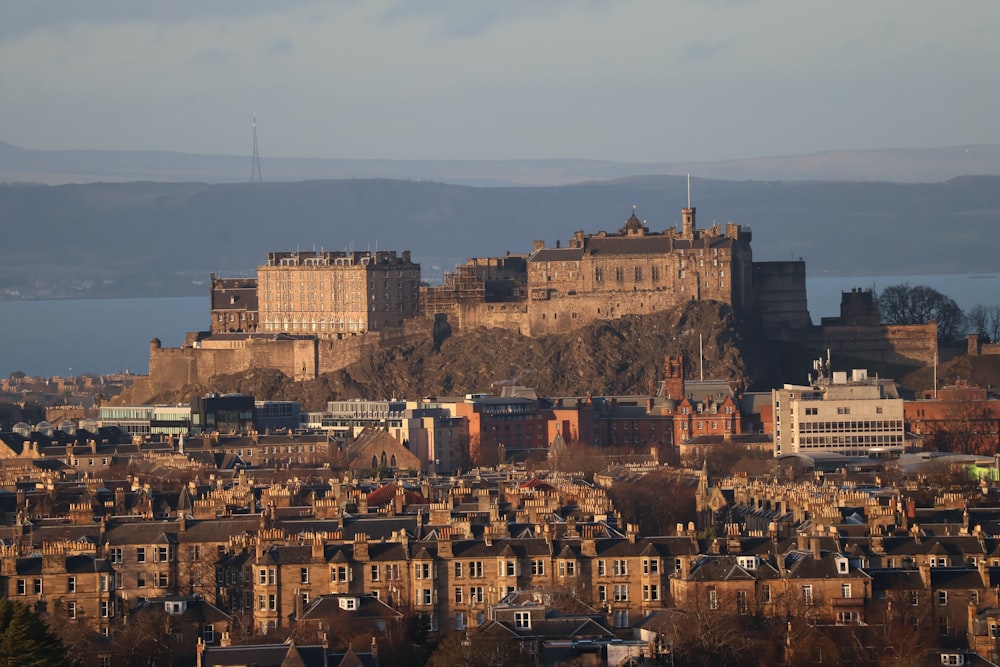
(25, 640)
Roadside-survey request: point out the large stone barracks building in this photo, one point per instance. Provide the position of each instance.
(323, 293)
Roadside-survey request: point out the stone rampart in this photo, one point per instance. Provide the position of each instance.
(779, 296)
(299, 358)
(903, 344)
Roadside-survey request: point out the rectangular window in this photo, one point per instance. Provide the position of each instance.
(476, 568)
(458, 570)
(807, 594)
(38, 586)
(208, 633)
(620, 568)
(713, 599)
(140, 554)
(741, 602)
(537, 568)
(458, 595)
(71, 585)
(304, 575)
(845, 590)
(374, 572)
(621, 618)
(522, 619)
(942, 598)
(766, 593)
(22, 587)
(116, 555)
(272, 602)
(602, 593)
(105, 609)
(71, 609)
(621, 593)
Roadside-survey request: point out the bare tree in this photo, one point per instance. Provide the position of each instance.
(902, 304)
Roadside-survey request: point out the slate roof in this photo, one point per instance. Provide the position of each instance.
(264, 655)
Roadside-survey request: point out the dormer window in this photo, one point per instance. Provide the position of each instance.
(175, 607)
(522, 620)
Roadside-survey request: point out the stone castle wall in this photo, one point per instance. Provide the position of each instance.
(903, 344)
(298, 358)
(779, 296)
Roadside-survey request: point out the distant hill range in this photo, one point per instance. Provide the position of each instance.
(907, 165)
(164, 221)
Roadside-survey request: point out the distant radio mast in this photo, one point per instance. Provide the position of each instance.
(255, 176)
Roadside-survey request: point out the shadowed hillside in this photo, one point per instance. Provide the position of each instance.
(614, 357)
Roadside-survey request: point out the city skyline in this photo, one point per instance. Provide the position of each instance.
(637, 81)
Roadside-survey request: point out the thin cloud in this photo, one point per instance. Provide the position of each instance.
(707, 49)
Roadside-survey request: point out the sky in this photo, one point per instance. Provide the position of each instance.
(622, 80)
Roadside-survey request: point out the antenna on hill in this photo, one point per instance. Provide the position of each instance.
(255, 176)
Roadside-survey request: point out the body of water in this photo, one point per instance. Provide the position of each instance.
(100, 336)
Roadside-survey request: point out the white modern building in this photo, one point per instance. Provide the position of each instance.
(852, 416)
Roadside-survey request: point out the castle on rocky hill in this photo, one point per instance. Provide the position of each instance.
(633, 271)
(311, 313)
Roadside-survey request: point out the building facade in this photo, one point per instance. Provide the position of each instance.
(636, 271)
(329, 293)
(861, 417)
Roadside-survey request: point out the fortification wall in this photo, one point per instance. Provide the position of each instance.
(564, 313)
(511, 315)
(976, 347)
(300, 358)
(908, 345)
(779, 296)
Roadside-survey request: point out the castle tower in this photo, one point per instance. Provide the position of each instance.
(687, 223)
(687, 217)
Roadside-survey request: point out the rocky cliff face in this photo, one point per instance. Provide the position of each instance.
(616, 357)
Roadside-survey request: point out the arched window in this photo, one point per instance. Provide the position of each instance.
(383, 457)
(392, 461)
(374, 461)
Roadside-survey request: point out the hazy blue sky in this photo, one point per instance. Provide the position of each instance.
(640, 80)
